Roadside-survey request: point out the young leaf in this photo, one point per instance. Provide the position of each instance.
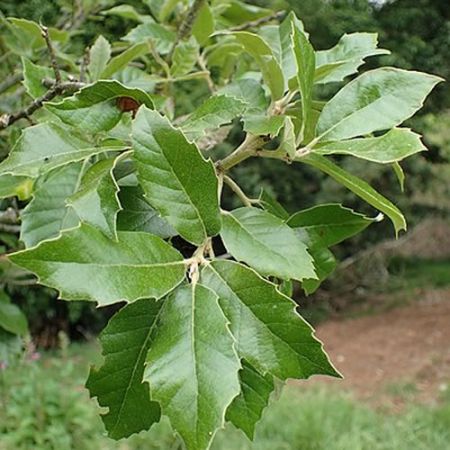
(120, 61)
(192, 366)
(250, 92)
(332, 222)
(261, 125)
(214, 112)
(138, 215)
(12, 319)
(260, 50)
(272, 205)
(399, 174)
(162, 37)
(93, 108)
(375, 101)
(117, 384)
(176, 179)
(44, 147)
(33, 76)
(99, 56)
(184, 57)
(288, 143)
(204, 24)
(11, 186)
(96, 201)
(247, 408)
(346, 56)
(48, 214)
(393, 146)
(358, 187)
(127, 12)
(83, 264)
(269, 333)
(306, 63)
(267, 244)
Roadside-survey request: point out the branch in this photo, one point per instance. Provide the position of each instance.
(185, 29)
(250, 147)
(57, 89)
(52, 54)
(256, 23)
(238, 191)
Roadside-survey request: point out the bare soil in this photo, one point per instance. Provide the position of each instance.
(396, 354)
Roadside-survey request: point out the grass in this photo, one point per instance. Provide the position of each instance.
(45, 407)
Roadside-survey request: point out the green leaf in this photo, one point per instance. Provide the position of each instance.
(249, 91)
(117, 384)
(214, 112)
(96, 201)
(399, 174)
(162, 37)
(306, 63)
(332, 222)
(184, 57)
(120, 61)
(12, 319)
(288, 143)
(269, 333)
(138, 215)
(204, 24)
(395, 145)
(263, 241)
(192, 366)
(33, 76)
(375, 101)
(176, 179)
(11, 186)
(99, 55)
(286, 36)
(261, 125)
(48, 214)
(247, 408)
(127, 12)
(46, 146)
(93, 108)
(346, 56)
(260, 50)
(83, 264)
(358, 187)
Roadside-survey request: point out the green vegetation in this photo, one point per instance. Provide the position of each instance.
(45, 407)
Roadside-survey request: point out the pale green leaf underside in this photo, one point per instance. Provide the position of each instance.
(346, 56)
(162, 37)
(266, 243)
(192, 366)
(250, 92)
(83, 264)
(395, 145)
(375, 101)
(96, 201)
(117, 384)
(44, 147)
(93, 109)
(247, 408)
(33, 76)
(48, 214)
(120, 61)
(269, 334)
(358, 187)
(176, 179)
(261, 125)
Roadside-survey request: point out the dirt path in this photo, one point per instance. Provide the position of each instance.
(382, 354)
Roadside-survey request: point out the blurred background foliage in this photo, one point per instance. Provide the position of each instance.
(418, 34)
